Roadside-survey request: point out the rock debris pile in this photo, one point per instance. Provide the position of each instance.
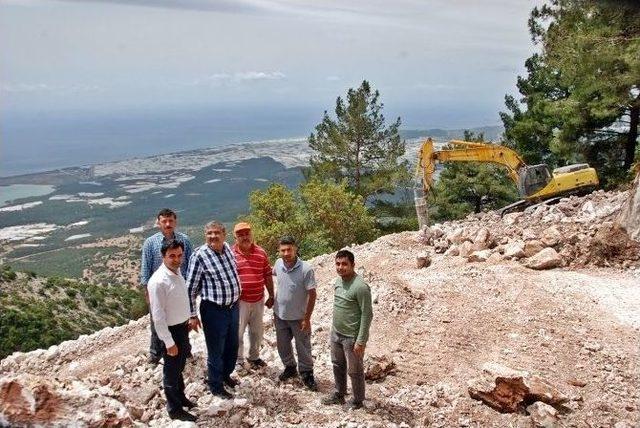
(577, 231)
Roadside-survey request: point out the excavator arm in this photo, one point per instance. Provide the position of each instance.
(464, 151)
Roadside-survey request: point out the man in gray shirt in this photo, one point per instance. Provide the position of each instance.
(292, 309)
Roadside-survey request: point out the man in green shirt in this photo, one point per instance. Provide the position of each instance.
(352, 315)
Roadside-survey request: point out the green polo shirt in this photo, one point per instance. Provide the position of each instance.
(352, 311)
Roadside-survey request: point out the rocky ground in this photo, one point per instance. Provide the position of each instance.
(528, 320)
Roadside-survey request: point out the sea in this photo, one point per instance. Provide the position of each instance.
(42, 141)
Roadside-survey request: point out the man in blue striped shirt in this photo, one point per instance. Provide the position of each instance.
(213, 275)
(167, 221)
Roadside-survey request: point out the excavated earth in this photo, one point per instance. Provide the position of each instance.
(436, 329)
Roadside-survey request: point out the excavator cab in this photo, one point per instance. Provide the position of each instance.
(533, 178)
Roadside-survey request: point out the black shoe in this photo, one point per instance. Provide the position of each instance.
(288, 373)
(188, 403)
(355, 405)
(231, 382)
(309, 381)
(154, 360)
(333, 399)
(183, 415)
(258, 363)
(222, 394)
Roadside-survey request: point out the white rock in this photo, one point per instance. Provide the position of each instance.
(545, 259)
(514, 250)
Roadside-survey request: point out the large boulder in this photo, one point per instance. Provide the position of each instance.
(458, 236)
(465, 249)
(28, 400)
(514, 250)
(479, 256)
(551, 236)
(548, 258)
(482, 240)
(533, 247)
(545, 259)
(508, 390)
(543, 415)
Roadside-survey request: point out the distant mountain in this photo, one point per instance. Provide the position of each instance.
(491, 133)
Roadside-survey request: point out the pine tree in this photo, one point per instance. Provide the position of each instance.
(358, 147)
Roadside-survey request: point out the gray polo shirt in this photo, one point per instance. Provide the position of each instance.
(292, 291)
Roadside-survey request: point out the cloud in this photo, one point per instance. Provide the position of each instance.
(219, 79)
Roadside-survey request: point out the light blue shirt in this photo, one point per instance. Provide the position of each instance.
(152, 257)
(292, 291)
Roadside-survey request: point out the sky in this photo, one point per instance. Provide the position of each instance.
(257, 68)
(121, 54)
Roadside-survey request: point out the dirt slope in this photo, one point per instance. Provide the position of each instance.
(439, 325)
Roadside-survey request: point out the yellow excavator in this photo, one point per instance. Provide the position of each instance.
(536, 183)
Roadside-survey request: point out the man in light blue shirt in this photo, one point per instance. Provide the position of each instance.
(292, 309)
(167, 221)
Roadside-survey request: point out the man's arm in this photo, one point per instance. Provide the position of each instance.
(363, 296)
(146, 263)
(310, 285)
(268, 281)
(305, 325)
(194, 286)
(188, 250)
(158, 304)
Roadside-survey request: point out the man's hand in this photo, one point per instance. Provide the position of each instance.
(194, 324)
(305, 325)
(146, 295)
(358, 349)
(173, 351)
(269, 302)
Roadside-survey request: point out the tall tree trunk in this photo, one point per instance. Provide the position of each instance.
(632, 137)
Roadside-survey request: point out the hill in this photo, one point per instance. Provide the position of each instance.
(40, 312)
(446, 328)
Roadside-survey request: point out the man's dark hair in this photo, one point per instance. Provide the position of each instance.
(170, 244)
(287, 240)
(346, 254)
(166, 212)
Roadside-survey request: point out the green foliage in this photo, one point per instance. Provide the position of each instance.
(7, 274)
(321, 216)
(29, 321)
(466, 187)
(357, 147)
(582, 92)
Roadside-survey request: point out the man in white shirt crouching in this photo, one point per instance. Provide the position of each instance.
(169, 304)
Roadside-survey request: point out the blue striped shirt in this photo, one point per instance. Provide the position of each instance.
(152, 257)
(213, 276)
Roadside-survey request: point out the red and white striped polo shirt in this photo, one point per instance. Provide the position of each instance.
(253, 268)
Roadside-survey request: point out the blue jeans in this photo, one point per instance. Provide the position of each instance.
(220, 326)
(172, 379)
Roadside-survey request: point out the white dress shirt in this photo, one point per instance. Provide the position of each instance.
(169, 302)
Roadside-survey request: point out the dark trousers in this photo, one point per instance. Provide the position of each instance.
(345, 361)
(220, 326)
(156, 346)
(172, 379)
(286, 331)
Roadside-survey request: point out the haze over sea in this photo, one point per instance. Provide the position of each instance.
(47, 141)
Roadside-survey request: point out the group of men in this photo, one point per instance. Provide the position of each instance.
(231, 282)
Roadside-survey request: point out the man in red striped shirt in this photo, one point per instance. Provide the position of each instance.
(255, 275)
